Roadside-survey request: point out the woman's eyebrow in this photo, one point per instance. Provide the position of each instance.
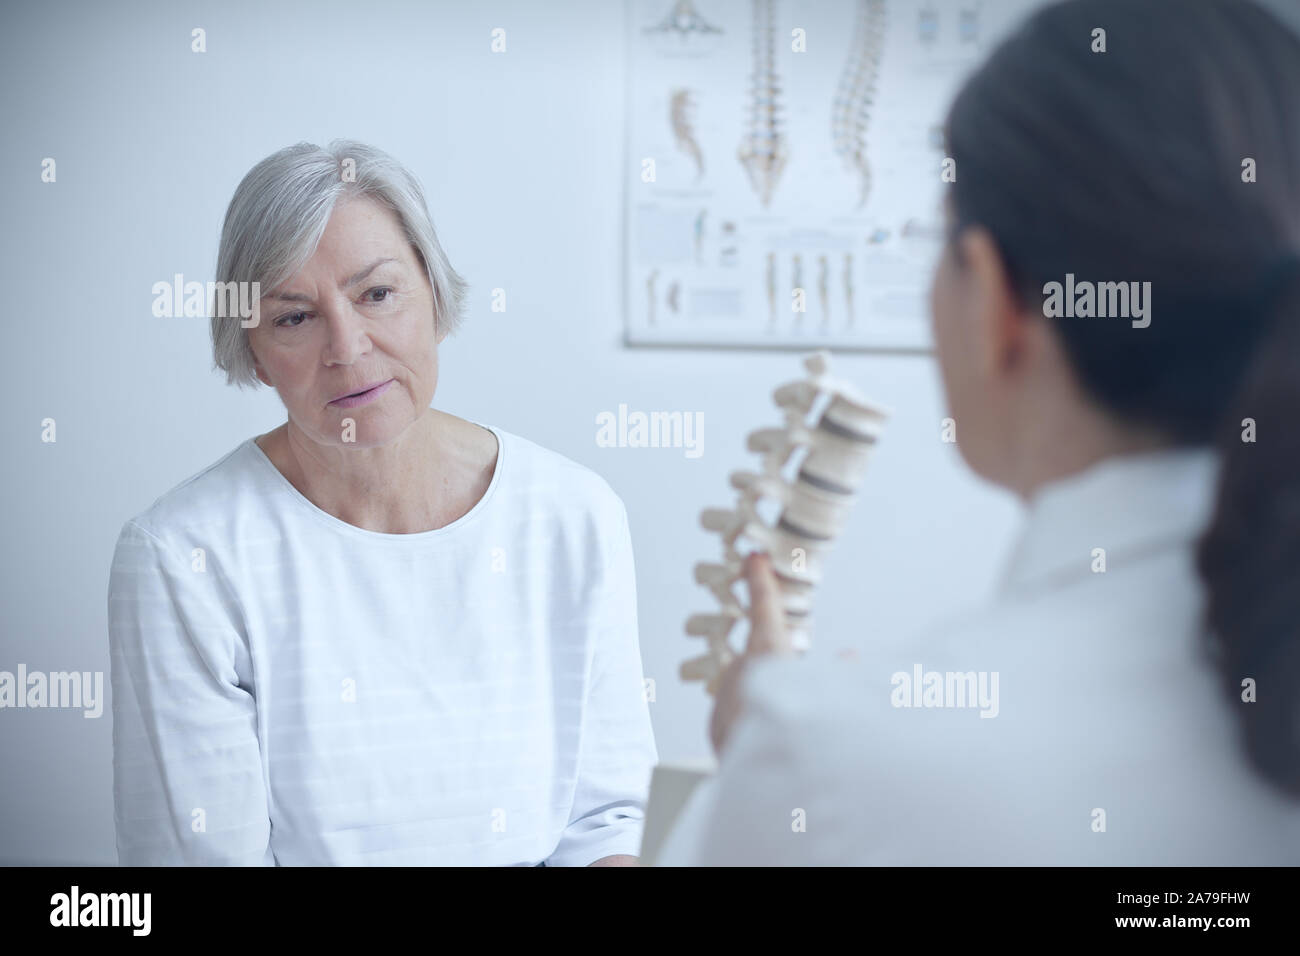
(354, 279)
(349, 281)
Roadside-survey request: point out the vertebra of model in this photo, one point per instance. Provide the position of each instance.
(814, 507)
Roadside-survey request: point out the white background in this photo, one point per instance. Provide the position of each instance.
(523, 161)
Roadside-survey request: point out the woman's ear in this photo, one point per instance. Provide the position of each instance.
(1000, 322)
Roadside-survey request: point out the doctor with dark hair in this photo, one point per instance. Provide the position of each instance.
(1117, 320)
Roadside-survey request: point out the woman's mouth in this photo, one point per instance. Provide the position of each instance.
(362, 397)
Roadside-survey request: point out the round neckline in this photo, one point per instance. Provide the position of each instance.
(365, 533)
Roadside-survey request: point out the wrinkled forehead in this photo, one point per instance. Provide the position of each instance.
(361, 233)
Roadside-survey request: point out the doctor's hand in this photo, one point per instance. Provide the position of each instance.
(767, 635)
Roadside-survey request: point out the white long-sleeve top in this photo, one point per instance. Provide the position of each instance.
(1110, 742)
(291, 689)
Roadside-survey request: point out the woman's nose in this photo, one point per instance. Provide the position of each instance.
(347, 337)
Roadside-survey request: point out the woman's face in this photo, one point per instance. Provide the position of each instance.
(359, 313)
(965, 307)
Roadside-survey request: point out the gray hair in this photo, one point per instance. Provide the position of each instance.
(279, 213)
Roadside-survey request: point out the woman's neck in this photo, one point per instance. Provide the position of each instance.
(414, 483)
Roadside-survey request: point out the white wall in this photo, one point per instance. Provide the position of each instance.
(522, 159)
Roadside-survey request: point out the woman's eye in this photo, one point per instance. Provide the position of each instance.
(283, 321)
(382, 294)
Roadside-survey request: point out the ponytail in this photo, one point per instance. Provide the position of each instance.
(1249, 555)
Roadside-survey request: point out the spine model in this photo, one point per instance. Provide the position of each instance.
(814, 506)
(856, 96)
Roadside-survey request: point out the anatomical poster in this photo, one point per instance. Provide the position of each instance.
(786, 167)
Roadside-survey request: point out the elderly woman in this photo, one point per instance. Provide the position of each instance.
(379, 633)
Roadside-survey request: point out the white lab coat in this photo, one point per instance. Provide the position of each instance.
(1110, 742)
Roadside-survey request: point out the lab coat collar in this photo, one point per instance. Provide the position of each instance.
(1128, 505)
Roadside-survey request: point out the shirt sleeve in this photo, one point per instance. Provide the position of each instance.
(617, 750)
(188, 782)
(821, 769)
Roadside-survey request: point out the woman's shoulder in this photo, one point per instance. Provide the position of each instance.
(543, 472)
(205, 498)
